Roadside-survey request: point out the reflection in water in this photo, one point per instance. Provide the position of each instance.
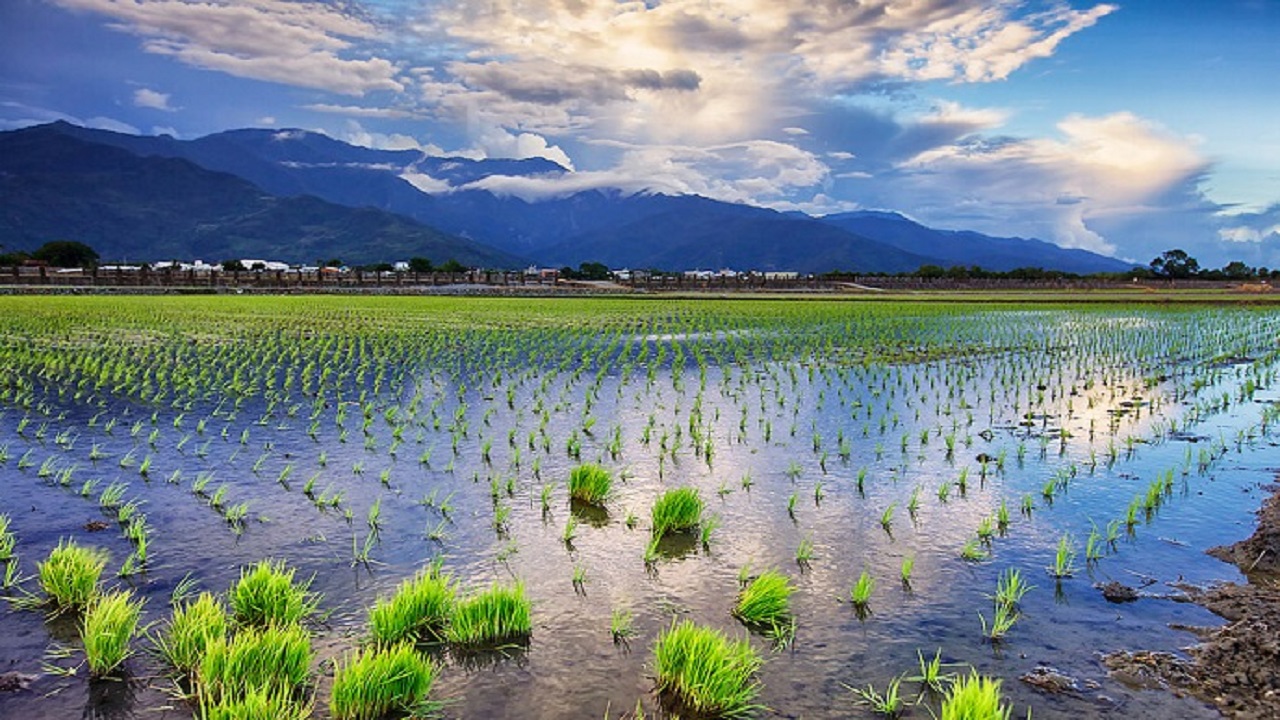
(109, 699)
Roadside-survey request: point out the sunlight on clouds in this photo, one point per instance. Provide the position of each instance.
(1106, 166)
(294, 43)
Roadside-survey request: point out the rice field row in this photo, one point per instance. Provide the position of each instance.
(539, 507)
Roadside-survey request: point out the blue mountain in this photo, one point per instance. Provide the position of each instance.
(610, 226)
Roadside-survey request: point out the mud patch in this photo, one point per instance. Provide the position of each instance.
(1260, 553)
(1235, 667)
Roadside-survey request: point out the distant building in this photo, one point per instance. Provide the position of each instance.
(782, 275)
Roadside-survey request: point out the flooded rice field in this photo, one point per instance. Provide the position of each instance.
(893, 463)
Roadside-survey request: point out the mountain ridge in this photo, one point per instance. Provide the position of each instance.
(395, 194)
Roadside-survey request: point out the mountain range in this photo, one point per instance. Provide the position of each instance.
(301, 196)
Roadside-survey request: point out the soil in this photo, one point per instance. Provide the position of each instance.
(1235, 667)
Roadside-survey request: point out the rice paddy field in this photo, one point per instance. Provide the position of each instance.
(564, 508)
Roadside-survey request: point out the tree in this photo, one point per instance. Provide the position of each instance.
(233, 266)
(452, 266)
(593, 271)
(1237, 270)
(1175, 265)
(420, 265)
(67, 253)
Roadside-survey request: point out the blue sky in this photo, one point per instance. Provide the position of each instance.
(1126, 127)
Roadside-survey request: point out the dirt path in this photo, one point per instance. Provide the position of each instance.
(1235, 667)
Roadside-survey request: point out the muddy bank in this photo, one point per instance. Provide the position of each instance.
(1235, 667)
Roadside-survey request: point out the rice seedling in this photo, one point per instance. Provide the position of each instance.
(193, 626)
(376, 681)
(973, 551)
(274, 658)
(764, 603)
(890, 704)
(579, 579)
(590, 483)
(676, 510)
(860, 593)
(266, 593)
(107, 628)
(931, 675)
(707, 526)
(974, 697)
(1011, 587)
(7, 539)
(804, 552)
(1094, 547)
(112, 496)
(69, 576)
(621, 625)
(499, 614)
(886, 518)
(906, 568)
(256, 704)
(1002, 620)
(1063, 559)
(705, 672)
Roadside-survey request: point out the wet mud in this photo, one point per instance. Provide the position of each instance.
(1235, 667)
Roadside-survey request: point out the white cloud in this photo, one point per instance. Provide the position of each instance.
(359, 111)
(147, 98)
(758, 171)
(356, 134)
(106, 123)
(294, 43)
(1115, 166)
(497, 142)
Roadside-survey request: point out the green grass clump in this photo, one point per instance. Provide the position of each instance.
(765, 600)
(109, 623)
(257, 704)
(266, 593)
(419, 609)
(974, 697)
(677, 510)
(706, 672)
(370, 684)
(194, 625)
(70, 575)
(276, 658)
(590, 483)
(495, 615)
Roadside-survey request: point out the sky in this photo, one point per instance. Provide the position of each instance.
(1127, 128)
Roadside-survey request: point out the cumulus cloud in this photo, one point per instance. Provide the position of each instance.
(295, 43)
(1115, 166)
(147, 98)
(497, 142)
